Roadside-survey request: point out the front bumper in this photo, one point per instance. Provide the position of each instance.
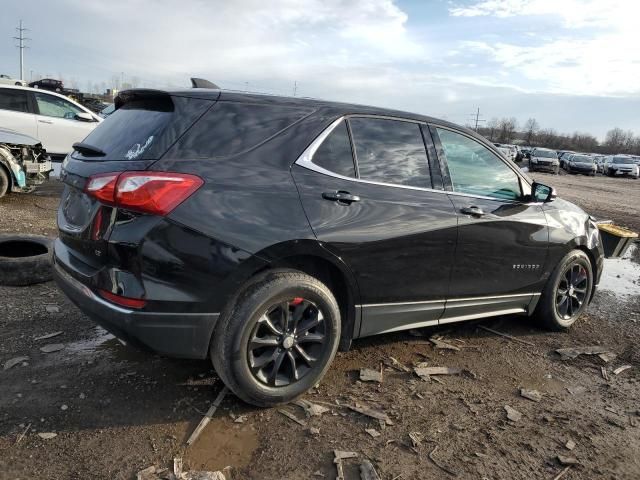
(547, 167)
(185, 335)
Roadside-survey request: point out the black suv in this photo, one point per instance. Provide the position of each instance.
(268, 232)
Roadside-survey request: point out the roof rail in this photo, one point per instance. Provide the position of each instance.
(202, 83)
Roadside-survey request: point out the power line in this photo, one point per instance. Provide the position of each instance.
(21, 39)
(475, 118)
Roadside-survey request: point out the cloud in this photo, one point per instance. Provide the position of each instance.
(589, 47)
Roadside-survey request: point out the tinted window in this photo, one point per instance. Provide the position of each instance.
(230, 128)
(335, 153)
(390, 151)
(13, 100)
(476, 170)
(52, 106)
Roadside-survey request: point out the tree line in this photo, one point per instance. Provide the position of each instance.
(507, 130)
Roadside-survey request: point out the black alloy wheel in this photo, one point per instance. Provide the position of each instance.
(286, 342)
(571, 291)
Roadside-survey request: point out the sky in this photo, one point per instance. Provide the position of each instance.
(573, 65)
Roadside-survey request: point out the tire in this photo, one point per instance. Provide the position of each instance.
(4, 182)
(551, 311)
(250, 319)
(25, 259)
(556, 171)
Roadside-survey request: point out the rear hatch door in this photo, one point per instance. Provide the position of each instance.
(142, 128)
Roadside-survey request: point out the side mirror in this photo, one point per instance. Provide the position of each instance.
(543, 193)
(84, 117)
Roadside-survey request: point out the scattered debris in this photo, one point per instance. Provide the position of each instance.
(414, 332)
(12, 362)
(621, 369)
(416, 439)
(441, 344)
(52, 308)
(367, 471)
(574, 352)
(291, 416)
(567, 460)
(47, 435)
(577, 390)
(52, 347)
(370, 375)
(562, 473)
(48, 335)
(603, 372)
(318, 473)
(397, 365)
(426, 372)
(203, 476)
(513, 414)
(606, 357)
(314, 431)
(373, 432)
(570, 445)
(146, 473)
(438, 464)
(24, 432)
(370, 412)
(64, 407)
(240, 419)
(311, 409)
(207, 417)
(177, 467)
(532, 395)
(510, 337)
(338, 456)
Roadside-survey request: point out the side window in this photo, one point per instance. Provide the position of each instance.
(474, 169)
(14, 100)
(390, 151)
(52, 106)
(335, 152)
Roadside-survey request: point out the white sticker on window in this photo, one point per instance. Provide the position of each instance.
(137, 150)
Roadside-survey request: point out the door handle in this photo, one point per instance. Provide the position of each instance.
(46, 121)
(341, 197)
(473, 211)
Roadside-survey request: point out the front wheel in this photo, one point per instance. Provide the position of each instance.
(4, 182)
(279, 338)
(566, 294)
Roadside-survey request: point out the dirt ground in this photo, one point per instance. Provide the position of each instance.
(116, 410)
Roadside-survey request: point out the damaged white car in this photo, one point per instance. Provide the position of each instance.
(23, 162)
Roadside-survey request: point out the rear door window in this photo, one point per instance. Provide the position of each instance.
(335, 153)
(390, 151)
(230, 128)
(14, 100)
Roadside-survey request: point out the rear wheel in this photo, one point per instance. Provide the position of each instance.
(279, 338)
(566, 294)
(4, 182)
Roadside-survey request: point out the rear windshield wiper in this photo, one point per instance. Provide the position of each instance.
(88, 150)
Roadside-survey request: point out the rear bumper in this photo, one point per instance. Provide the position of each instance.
(185, 335)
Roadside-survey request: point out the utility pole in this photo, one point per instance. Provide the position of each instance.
(475, 118)
(21, 39)
(295, 88)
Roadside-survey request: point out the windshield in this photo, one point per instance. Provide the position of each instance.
(545, 154)
(624, 160)
(582, 159)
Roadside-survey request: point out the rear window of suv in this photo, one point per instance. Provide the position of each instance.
(144, 127)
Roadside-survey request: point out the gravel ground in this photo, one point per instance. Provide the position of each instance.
(117, 410)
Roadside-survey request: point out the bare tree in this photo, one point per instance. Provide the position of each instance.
(531, 127)
(507, 129)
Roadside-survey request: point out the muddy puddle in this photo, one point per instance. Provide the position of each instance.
(621, 276)
(101, 343)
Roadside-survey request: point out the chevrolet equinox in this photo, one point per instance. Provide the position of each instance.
(267, 232)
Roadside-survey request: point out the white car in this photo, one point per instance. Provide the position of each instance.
(55, 120)
(7, 80)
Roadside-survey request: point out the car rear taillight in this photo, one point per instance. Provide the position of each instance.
(155, 193)
(122, 301)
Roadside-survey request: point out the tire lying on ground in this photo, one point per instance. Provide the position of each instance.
(25, 259)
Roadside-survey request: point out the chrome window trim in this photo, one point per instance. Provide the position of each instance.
(306, 158)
